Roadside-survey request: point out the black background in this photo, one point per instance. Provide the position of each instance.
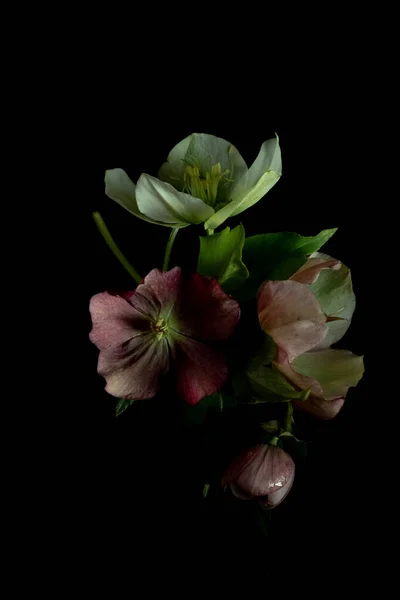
(131, 482)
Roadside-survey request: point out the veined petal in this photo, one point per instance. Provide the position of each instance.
(206, 150)
(133, 370)
(239, 464)
(173, 169)
(279, 495)
(162, 202)
(120, 187)
(115, 321)
(205, 312)
(157, 294)
(253, 185)
(289, 312)
(201, 369)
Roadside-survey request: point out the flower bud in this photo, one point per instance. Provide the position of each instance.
(264, 472)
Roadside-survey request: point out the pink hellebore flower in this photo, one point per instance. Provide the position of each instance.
(264, 472)
(304, 316)
(164, 321)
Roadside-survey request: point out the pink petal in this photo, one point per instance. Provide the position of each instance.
(309, 272)
(277, 497)
(239, 464)
(321, 408)
(205, 311)
(267, 473)
(133, 370)
(290, 313)
(157, 295)
(239, 493)
(315, 404)
(114, 320)
(201, 369)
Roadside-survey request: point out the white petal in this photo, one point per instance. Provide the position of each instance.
(172, 171)
(254, 184)
(120, 187)
(162, 202)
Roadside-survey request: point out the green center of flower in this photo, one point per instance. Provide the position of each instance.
(203, 185)
(159, 328)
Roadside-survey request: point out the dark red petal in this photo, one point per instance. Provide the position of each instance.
(201, 369)
(205, 311)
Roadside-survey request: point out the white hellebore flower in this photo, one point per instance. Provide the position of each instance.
(205, 180)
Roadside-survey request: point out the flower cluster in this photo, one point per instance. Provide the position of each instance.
(192, 329)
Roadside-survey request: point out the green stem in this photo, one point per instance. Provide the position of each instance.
(168, 248)
(288, 419)
(102, 227)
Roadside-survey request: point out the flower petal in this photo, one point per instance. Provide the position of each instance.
(272, 500)
(335, 370)
(239, 493)
(238, 465)
(133, 370)
(334, 292)
(201, 369)
(162, 202)
(173, 169)
(207, 150)
(205, 311)
(157, 294)
(267, 473)
(115, 321)
(327, 375)
(253, 185)
(289, 312)
(120, 187)
(309, 272)
(321, 408)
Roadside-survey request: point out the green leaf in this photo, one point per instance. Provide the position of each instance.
(221, 257)
(122, 405)
(277, 256)
(195, 415)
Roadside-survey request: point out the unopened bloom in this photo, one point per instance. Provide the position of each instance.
(304, 316)
(205, 180)
(265, 472)
(165, 322)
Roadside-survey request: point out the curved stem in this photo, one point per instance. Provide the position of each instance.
(102, 227)
(168, 248)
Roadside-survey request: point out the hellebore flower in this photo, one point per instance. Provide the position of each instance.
(304, 316)
(205, 180)
(264, 472)
(164, 322)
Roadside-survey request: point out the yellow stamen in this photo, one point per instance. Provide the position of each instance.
(204, 187)
(160, 328)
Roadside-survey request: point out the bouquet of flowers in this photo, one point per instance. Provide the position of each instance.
(254, 327)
